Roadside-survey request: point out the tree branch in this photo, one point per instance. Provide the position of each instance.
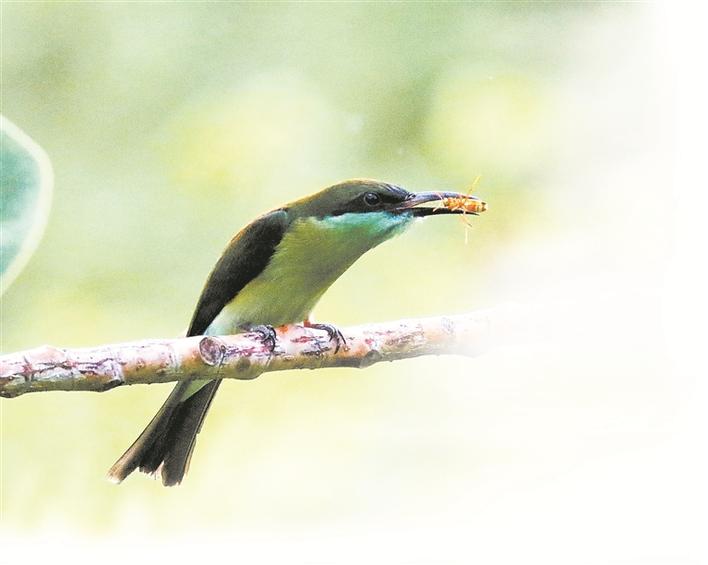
(241, 356)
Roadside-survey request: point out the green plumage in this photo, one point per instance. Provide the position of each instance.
(292, 283)
(273, 272)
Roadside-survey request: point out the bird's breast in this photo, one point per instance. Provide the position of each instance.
(313, 254)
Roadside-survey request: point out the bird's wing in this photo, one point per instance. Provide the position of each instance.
(169, 438)
(246, 256)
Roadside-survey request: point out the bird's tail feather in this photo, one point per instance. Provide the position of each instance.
(167, 442)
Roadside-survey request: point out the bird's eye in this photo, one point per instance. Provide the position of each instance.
(372, 199)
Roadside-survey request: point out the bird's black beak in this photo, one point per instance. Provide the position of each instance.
(445, 203)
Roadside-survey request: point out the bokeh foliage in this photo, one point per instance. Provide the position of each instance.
(26, 186)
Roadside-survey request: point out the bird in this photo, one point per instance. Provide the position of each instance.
(272, 273)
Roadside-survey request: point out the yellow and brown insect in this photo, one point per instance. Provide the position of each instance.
(466, 204)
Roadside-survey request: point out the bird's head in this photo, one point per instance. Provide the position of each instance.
(367, 196)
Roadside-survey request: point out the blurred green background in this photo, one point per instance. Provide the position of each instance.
(172, 125)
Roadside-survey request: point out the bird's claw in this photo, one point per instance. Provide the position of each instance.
(335, 335)
(267, 334)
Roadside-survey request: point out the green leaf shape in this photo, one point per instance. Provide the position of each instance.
(26, 181)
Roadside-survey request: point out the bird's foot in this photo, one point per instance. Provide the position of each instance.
(267, 334)
(335, 335)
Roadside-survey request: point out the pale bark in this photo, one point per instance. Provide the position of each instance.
(242, 356)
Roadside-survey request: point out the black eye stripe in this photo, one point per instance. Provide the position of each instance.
(395, 194)
(388, 195)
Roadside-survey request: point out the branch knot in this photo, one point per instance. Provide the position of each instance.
(212, 350)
